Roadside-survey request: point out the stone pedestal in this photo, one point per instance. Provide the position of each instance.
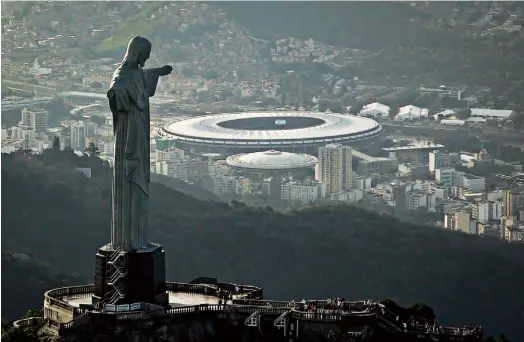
(144, 279)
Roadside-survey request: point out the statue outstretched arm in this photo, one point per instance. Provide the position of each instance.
(152, 76)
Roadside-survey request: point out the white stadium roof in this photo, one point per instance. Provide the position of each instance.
(331, 128)
(271, 160)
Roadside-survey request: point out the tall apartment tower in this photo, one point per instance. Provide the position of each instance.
(78, 136)
(334, 167)
(35, 118)
(513, 202)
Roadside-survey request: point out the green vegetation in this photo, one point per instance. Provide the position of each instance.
(139, 24)
(61, 217)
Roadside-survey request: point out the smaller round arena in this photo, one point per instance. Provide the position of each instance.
(271, 161)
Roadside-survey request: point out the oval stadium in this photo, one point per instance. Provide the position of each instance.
(259, 131)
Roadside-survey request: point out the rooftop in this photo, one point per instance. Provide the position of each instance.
(271, 160)
(413, 147)
(273, 127)
(497, 113)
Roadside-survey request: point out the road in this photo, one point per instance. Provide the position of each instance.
(41, 90)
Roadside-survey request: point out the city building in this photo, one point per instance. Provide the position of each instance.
(445, 176)
(470, 182)
(35, 118)
(352, 195)
(439, 159)
(450, 177)
(514, 234)
(334, 167)
(414, 151)
(460, 221)
(362, 183)
(230, 185)
(487, 211)
(417, 199)
(91, 129)
(365, 164)
(24, 136)
(173, 168)
(442, 91)
(5, 134)
(271, 188)
(106, 147)
(171, 154)
(78, 136)
(198, 168)
(494, 114)
(513, 202)
(305, 191)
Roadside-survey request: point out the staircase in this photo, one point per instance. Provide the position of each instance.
(116, 269)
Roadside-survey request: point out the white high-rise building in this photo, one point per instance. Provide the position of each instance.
(91, 129)
(487, 211)
(437, 160)
(35, 118)
(334, 168)
(78, 136)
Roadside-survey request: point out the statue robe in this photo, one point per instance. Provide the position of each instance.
(129, 102)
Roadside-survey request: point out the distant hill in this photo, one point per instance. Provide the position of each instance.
(361, 24)
(314, 253)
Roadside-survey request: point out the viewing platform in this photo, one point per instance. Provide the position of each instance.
(69, 310)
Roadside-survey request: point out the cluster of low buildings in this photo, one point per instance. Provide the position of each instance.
(445, 117)
(33, 132)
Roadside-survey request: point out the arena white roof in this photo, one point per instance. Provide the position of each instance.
(375, 108)
(333, 128)
(271, 160)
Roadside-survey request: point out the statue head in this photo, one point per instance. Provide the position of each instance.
(138, 51)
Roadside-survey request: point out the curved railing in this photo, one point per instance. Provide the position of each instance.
(28, 322)
(54, 297)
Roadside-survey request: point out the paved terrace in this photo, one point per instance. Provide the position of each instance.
(62, 311)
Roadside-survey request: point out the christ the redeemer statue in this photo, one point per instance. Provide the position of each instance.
(129, 93)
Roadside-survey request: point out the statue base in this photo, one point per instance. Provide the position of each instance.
(143, 276)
